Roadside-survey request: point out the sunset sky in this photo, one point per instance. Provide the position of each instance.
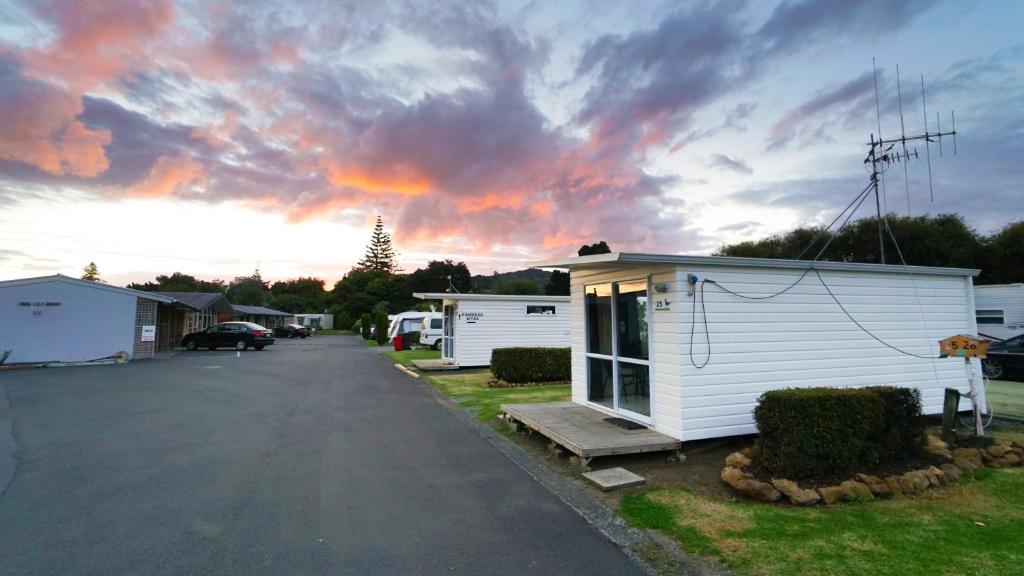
(207, 137)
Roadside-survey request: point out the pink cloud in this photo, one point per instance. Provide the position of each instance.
(170, 175)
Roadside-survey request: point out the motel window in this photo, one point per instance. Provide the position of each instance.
(540, 309)
(989, 316)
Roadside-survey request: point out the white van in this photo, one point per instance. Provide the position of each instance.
(431, 330)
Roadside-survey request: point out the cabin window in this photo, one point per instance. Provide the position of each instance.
(540, 310)
(989, 316)
(618, 347)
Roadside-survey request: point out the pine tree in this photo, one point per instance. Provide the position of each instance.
(91, 273)
(380, 255)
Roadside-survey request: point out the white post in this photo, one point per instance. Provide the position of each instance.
(978, 428)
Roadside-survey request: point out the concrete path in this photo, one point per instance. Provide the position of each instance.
(312, 457)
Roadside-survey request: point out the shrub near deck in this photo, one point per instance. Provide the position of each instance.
(811, 432)
(522, 365)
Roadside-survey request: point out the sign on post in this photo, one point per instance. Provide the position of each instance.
(967, 347)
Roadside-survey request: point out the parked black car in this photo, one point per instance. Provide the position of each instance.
(290, 331)
(1005, 357)
(237, 335)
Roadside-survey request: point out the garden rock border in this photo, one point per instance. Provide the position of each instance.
(956, 464)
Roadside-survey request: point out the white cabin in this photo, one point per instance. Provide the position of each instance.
(999, 309)
(318, 321)
(475, 324)
(659, 339)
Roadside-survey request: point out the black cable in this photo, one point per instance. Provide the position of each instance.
(693, 324)
(832, 223)
(862, 197)
(865, 330)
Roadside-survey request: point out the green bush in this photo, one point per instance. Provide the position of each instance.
(822, 432)
(342, 321)
(520, 365)
(382, 328)
(364, 325)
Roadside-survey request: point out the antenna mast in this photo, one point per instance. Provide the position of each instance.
(881, 155)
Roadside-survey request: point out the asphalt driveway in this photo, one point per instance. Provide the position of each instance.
(312, 457)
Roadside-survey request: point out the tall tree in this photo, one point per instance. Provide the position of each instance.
(380, 255)
(1005, 256)
(91, 272)
(249, 291)
(518, 286)
(434, 277)
(558, 284)
(178, 282)
(595, 248)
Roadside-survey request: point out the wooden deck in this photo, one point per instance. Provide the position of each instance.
(585, 432)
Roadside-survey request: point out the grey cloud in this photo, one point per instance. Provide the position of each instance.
(724, 162)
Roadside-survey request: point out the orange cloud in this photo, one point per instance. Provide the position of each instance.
(40, 128)
(401, 179)
(170, 174)
(495, 200)
(98, 39)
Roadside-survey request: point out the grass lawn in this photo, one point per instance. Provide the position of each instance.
(469, 388)
(333, 332)
(929, 534)
(1006, 397)
(405, 357)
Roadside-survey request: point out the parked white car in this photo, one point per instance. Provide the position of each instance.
(430, 331)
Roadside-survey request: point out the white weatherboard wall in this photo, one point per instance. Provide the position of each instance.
(1008, 298)
(799, 339)
(482, 325)
(88, 323)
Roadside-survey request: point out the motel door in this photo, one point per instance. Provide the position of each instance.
(448, 332)
(618, 351)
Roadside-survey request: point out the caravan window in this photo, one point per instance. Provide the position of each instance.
(540, 309)
(435, 323)
(989, 316)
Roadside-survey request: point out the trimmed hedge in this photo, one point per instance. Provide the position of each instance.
(815, 432)
(364, 325)
(382, 328)
(521, 365)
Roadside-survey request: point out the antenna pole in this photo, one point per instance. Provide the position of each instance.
(903, 138)
(873, 157)
(927, 141)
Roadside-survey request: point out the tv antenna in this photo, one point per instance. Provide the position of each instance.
(883, 153)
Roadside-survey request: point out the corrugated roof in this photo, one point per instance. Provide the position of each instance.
(499, 297)
(628, 258)
(258, 311)
(197, 300)
(87, 284)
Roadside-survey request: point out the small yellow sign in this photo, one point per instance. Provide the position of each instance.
(963, 346)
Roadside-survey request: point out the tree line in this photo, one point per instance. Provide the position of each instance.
(944, 240)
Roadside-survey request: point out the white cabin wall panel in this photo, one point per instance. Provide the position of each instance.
(89, 323)
(1009, 299)
(503, 324)
(803, 339)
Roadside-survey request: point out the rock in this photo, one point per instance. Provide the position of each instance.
(933, 480)
(914, 481)
(966, 465)
(732, 475)
(737, 460)
(748, 452)
(893, 484)
(758, 490)
(968, 454)
(866, 478)
(996, 451)
(1013, 458)
(830, 494)
(938, 474)
(856, 491)
(936, 447)
(999, 463)
(952, 472)
(796, 495)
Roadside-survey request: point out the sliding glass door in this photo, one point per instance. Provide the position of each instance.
(618, 347)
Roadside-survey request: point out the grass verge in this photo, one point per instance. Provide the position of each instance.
(975, 527)
(1007, 398)
(470, 390)
(405, 357)
(333, 332)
